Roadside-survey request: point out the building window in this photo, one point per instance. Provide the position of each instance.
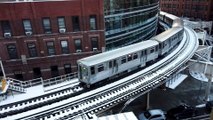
(94, 43)
(11, 48)
(61, 23)
(54, 71)
(6, 28)
(37, 72)
(32, 49)
(50, 48)
(27, 26)
(18, 75)
(64, 47)
(67, 68)
(47, 25)
(78, 45)
(92, 22)
(75, 23)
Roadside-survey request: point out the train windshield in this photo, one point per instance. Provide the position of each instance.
(83, 72)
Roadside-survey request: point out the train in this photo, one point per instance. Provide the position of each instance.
(106, 65)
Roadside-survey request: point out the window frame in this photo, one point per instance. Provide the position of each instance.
(32, 50)
(5, 26)
(45, 28)
(76, 26)
(78, 47)
(25, 22)
(50, 47)
(64, 23)
(65, 50)
(13, 55)
(94, 42)
(93, 24)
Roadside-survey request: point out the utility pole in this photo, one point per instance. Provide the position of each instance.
(208, 88)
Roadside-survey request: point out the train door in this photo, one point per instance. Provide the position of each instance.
(170, 41)
(114, 66)
(110, 67)
(143, 57)
(145, 54)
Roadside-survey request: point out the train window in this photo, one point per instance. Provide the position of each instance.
(160, 46)
(110, 64)
(145, 52)
(156, 48)
(164, 44)
(129, 57)
(100, 68)
(135, 56)
(92, 69)
(152, 50)
(114, 63)
(123, 60)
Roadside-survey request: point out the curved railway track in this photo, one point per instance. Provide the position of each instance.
(101, 99)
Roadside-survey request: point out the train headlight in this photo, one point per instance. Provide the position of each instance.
(84, 77)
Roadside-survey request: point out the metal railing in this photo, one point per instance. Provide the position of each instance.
(59, 79)
(40, 81)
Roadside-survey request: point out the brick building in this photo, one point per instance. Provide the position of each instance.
(196, 9)
(44, 39)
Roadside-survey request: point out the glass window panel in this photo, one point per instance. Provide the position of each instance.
(11, 48)
(64, 47)
(92, 22)
(94, 42)
(78, 44)
(61, 22)
(32, 49)
(47, 25)
(27, 25)
(6, 26)
(75, 23)
(50, 48)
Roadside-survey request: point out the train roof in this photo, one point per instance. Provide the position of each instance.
(167, 34)
(173, 17)
(177, 23)
(110, 55)
(163, 13)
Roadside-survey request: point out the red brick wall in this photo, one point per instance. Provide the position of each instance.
(202, 14)
(35, 11)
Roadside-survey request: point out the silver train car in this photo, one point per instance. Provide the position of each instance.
(171, 20)
(109, 64)
(169, 39)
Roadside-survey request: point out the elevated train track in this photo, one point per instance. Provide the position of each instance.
(101, 99)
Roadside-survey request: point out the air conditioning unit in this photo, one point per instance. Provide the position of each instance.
(7, 35)
(62, 30)
(95, 49)
(28, 33)
(78, 51)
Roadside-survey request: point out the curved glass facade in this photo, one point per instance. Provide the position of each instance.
(129, 21)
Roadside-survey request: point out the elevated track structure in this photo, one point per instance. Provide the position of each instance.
(74, 102)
